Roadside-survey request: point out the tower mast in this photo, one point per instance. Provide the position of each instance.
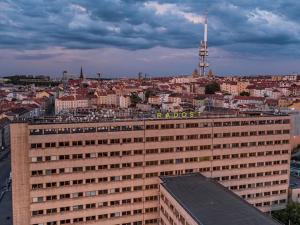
(203, 51)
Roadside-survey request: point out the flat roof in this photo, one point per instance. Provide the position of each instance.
(89, 118)
(210, 203)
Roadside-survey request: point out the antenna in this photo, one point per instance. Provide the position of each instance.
(203, 51)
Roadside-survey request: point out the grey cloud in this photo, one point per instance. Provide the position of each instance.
(128, 24)
(36, 56)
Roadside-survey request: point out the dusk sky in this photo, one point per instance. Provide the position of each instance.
(122, 37)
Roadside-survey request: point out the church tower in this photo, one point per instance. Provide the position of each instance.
(81, 77)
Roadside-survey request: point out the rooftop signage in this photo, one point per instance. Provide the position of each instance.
(177, 115)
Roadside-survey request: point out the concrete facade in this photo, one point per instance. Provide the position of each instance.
(108, 172)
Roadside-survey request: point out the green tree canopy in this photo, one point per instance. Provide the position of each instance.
(212, 88)
(290, 215)
(244, 93)
(135, 99)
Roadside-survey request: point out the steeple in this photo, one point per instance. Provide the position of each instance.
(81, 74)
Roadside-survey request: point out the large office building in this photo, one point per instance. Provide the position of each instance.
(107, 172)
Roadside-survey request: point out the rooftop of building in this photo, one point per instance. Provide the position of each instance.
(93, 115)
(209, 203)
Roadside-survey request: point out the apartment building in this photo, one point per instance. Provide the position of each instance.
(70, 103)
(108, 172)
(230, 87)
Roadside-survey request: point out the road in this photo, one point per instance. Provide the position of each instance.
(5, 190)
(4, 168)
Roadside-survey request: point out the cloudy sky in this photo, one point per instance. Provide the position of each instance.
(123, 37)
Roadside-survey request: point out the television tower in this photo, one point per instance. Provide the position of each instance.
(203, 51)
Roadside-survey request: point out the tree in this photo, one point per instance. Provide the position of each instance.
(244, 93)
(212, 88)
(135, 99)
(290, 213)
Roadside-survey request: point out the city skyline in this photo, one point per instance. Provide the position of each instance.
(154, 37)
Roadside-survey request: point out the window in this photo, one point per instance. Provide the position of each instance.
(167, 138)
(63, 157)
(76, 143)
(36, 145)
(103, 216)
(63, 144)
(50, 145)
(179, 137)
(126, 140)
(126, 177)
(90, 206)
(116, 214)
(138, 152)
(152, 127)
(65, 221)
(77, 156)
(77, 169)
(114, 141)
(115, 166)
(77, 195)
(51, 197)
(90, 181)
(37, 212)
(52, 184)
(103, 192)
(90, 193)
(90, 155)
(102, 142)
(124, 153)
(151, 163)
(90, 168)
(37, 173)
(77, 220)
(192, 137)
(90, 142)
(116, 153)
(64, 183)
(138, 140)
(102, 167)
(151, 151)
(76, 182)
(37, 199)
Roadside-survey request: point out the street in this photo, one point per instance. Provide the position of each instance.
(5, 189)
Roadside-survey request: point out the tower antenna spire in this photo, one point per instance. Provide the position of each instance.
(203, 51)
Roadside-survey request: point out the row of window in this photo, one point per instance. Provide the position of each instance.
(250, 133)
(157, 151)
(101, 192)
(81, 220)
(154, 127)
(264, 194)
(92, 206)
(153, 163)
(141, 139)
(271, 203)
